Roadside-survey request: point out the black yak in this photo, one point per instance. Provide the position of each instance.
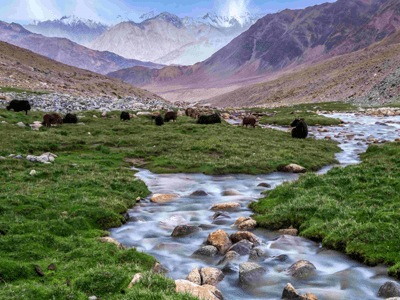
(70, 118)
(159, 120)
(51, 119)
(19, 105)
(213, 119)
(300, 131)
(249, 121)
(171, 115)
(125, 116)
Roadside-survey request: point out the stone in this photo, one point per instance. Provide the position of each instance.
(245, 235)
(135, 280)
(39, 271)
(219, 239)
(229, 256)
(112, 241)
(389, 289)
(247, 225)
(293, 168)
(194, 276)
(198, 193)
(2, 158)
(19, 157)
(220, 215)
(205, 292)
(104, 114)
(289, 231)
(243, 247)
(159, 269)
(230, 269)
(211, 276)
(42, 158)
(163, 198)
(226, 206)
(302, 269)
(20, 124)
(184, 230)
(264, 184)
(52, 267)
(92, 298)
(32, 172)
(281, 258)
(170, 247)
(250, 274)
(172, 222)
(258, 254)
(241, 220)
(231, 193)
(136, 219)
(206, 251)
(290, 293)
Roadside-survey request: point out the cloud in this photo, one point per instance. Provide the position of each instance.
(30, 9)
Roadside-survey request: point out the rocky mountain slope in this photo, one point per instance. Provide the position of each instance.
(66, 51)
(280, 42)
(78, 30)
(24, 69)
(168, 39)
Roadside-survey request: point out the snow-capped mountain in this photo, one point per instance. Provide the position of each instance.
(168, 39)
(79, 30)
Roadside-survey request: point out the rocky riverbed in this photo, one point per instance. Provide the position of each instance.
(191, 222)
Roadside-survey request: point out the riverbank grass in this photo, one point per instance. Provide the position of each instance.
(354, 210)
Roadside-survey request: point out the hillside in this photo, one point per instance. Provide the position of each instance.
(65, 51)
(24, 69)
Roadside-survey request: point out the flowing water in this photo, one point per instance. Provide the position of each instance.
(338, 276)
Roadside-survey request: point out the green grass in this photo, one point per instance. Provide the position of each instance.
(58, 215)
(285, 117)
(354, 209)
(16, 90)
(181, 146)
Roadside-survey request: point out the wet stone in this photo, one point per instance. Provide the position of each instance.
(250, 274)
(184, 230)
(264, 184)
(198, 193)
(389, 289)
(220, 214)
(207, 251)
(229, 256)
(302, 269)
(258, 254)
(243, 247)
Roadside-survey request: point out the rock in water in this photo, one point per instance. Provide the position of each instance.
(250, 274)
(389, 289)
(219, 239)
(205, 292)
(184, 230)
(302, 269)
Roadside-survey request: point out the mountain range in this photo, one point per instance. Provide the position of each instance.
(279, 42)
(66, 51)
(168, 39)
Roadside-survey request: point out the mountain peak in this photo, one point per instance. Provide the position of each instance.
(168, 17)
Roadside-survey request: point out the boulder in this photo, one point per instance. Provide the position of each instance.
(242, 248)
(245, 235)
(302, 269)
(205, 292)
(290, 293)
(247, 225)
(220, 215)
(231, 193)
(250, 274)
(172, 222)
(194, 276)
(112, 241)
(293, 168)
(206, 251)
(198, 193)
(264, 184)
(289, 231)
(226, 206)
(258, 254)
(241, 220)
(184, 230)
(211, 276)
(389, 289)
(219, 239)
(230, 269)
(163, 198)
(229, 256)
(20, 124)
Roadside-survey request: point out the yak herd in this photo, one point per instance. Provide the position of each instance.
(299, 131)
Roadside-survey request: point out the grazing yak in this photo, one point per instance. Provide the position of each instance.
(249, 121)
(300, 131)
(159, 120)
(51, 119)
(171, 115)
(213, 119)
(70, 118)
(125, 116)
(192, 112)
(19, 105)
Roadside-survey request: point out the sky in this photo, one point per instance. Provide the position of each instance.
(112, 11)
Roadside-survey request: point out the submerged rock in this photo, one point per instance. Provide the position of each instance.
(163, 198)
(206, 251)
(250, 274)
(302, 269)
(226, 206)
(184, 230)
(242, 248)
(389, 289)
(198, 193)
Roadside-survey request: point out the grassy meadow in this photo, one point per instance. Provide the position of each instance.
(354, 210)
(58, 215)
